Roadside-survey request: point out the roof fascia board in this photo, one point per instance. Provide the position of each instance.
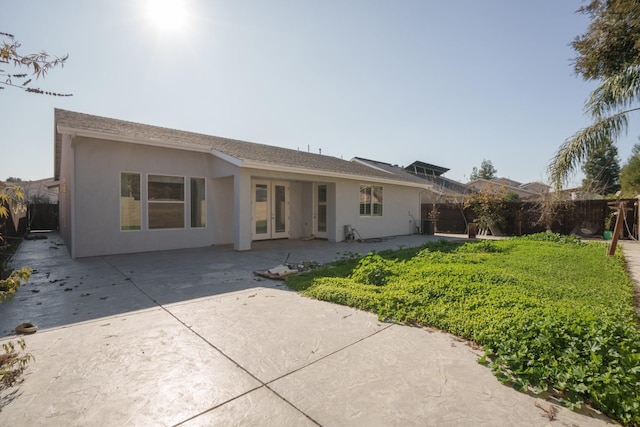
(123, 138)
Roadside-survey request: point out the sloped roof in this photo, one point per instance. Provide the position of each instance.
(396, 170)
(507, 181)
(439, 185)
(253, 154)
(482, 183)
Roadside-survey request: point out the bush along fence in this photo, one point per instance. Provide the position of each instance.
(585, 218)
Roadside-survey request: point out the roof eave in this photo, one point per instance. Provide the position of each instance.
(329, 174)
(74, 132)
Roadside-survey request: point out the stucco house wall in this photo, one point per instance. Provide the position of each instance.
(400, 206)
(99, 164)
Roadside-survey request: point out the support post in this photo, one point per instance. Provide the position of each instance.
(616, 231)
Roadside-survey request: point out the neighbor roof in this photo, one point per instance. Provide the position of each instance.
(245, 154)
(433, 169)
(394, 169)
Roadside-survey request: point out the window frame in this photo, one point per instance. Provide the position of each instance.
(167, 202)
(130, 228)
(370, 208)
(191, 202)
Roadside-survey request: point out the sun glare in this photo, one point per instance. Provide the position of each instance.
(167, 15)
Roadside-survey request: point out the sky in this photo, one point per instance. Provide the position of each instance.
(445, 82)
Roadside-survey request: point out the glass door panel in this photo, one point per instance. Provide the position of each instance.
(261, 212)
(320, 214)
(279, 200)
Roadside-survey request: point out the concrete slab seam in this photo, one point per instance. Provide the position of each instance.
(218, 405)
(166, 310)
(266, 385)
(238, 366)
(328, 355)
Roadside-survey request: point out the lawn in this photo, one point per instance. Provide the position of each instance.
(552, 314)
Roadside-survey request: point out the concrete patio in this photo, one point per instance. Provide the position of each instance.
(192, 337)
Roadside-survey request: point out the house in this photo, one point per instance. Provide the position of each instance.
(40, 191)
(129, 187)
(446, 190)
(437, 189)
(525, 191)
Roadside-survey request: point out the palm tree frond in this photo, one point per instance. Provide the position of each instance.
(617, 92)
(575, 149)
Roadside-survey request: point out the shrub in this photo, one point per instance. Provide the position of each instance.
(373, 270)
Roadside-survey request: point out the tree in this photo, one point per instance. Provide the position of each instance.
(602, 170)
(489, 207)
(600, 56)
(630, 174)
(486, 171)
(12, 363)
(13, 179)
(612, 41)
(38, 63)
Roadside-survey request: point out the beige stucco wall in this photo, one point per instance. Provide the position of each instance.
(98, 165)
(90, 209)
(400, 206)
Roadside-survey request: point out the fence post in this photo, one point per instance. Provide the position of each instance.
(616, 230)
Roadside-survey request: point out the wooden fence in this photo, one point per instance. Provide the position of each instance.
(581, 217)
(40, 216)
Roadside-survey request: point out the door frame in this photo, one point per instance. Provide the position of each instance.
(271, 210)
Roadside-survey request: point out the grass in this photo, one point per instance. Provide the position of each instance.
(552, 314)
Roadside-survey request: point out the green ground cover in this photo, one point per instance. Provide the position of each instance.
(553, 314)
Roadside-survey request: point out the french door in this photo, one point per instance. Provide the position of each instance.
(270, 208)
(320, 210)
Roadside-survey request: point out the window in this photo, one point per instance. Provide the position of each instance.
(130, 213)
(198, 203)
(370, 200)
(166, 201)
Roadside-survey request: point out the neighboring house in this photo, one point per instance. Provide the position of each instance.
(503, 184)
(40, 191)
(446, 190)
(537, 187)
(437, 189)
(128, 187)
(506, 182)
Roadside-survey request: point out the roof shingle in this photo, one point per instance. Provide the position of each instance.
(242, 150)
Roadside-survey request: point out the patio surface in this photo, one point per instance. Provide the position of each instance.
(191, 337)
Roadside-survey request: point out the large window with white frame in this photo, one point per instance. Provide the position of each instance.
(370, 200)
(165, 197)
(130, 212)
(198, 202)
